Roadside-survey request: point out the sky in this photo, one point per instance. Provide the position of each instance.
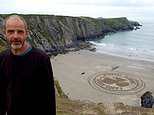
(132, 9)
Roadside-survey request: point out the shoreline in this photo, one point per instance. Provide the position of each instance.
(72, 70)
(130, 57)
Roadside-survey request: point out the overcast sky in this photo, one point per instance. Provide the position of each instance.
(132, 9)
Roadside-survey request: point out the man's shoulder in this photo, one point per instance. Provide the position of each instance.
(38, 52)
(4, 52)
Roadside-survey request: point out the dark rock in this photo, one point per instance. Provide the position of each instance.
(92, 49)
(136, 28)
(147, 100)
(82, 73)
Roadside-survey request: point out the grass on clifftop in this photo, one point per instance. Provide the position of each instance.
(66, 106)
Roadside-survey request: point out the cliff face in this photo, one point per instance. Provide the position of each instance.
(57, 34)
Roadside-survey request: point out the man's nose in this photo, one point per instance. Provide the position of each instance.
(15, 35)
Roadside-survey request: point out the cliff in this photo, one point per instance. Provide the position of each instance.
(59, 34)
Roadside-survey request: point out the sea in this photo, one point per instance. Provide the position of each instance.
(137, 44)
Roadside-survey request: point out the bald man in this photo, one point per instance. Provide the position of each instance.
(26, 77)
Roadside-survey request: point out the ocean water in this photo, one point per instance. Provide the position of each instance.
(136, 44)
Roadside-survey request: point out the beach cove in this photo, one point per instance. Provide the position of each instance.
(94, 77)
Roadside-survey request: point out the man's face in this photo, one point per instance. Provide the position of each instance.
(15, 33)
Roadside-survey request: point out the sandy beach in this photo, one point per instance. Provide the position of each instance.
(100, 78)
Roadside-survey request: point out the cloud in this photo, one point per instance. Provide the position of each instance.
(91, 8)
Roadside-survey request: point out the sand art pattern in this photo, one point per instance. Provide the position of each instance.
(119, 83)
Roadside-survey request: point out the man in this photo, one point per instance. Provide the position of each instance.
(26, 78)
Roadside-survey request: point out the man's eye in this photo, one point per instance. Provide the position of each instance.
(10, 31)
(20, 31)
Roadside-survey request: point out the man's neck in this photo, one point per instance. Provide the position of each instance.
(21, 50)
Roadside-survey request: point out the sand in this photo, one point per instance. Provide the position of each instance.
(100, 78)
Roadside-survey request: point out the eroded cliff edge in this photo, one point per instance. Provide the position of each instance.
(59, 34)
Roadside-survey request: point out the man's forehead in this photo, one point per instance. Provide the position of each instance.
(14, 19)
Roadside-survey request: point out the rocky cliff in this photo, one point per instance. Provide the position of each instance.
(59, 34)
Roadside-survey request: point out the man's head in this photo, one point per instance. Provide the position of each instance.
(15, 31)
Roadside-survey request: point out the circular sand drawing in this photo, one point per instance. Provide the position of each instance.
(116, 82)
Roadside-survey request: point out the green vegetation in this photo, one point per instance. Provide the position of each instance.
(65, 106)
(59, 18)
(113, 22)
(2, 46)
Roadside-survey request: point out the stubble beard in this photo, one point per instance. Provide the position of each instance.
(17, 47)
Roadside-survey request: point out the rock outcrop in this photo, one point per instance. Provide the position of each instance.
(59, 34)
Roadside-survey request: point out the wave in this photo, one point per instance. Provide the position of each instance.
(123, 51)
(131, 48)
(98, 44)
